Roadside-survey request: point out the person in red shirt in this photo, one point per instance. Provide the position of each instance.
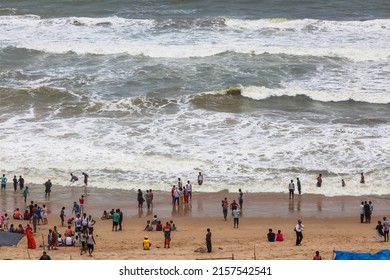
(17, 215)
(81, 201)
(317, 256)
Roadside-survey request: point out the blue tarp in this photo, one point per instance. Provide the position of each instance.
(10, 238)
(381, 255)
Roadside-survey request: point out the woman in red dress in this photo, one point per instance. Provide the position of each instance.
(30, 238)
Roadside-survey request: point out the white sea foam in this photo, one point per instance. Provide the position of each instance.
(261, 93)
(362, 41)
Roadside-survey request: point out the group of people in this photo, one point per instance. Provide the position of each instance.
(166, 229)
(16, 182)
(382, 230)
(148, 198)
(271, 236)
(291, 188)
(366, 210)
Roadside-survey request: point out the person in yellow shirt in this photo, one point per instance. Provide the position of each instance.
(146, 243)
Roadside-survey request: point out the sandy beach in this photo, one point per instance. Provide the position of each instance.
(330, 223)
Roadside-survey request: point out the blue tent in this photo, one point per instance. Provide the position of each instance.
(381, 255)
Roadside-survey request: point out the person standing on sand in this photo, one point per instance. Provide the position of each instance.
(236, 216)
(225, 208)
(319, 181)
(140, 199)
(299, 186)
(291, 189)
(15, 183)
(85, 178)
(81, 203)
(189, 190)
(362, 181)
(48, 186)
(21, 183)
(115, 221)
(362, 212)
(62, 215)
(298, 230)
(3, 182)
(240, 198)
(386, 227)
(208, 241)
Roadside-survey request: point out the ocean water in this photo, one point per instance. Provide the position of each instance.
(250, 93)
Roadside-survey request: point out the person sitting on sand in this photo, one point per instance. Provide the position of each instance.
(159, 226)
(154, 220)
(146, 243)
(17, 215)
(148, 227)
(20, 229)
(317, 256)
(105, 215)
(279, 236)
(26, 215)
(270, 235)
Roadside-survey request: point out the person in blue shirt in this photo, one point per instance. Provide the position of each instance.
(3, 182)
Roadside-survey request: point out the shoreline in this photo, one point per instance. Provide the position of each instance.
(204, 204)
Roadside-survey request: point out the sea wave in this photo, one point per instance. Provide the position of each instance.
(263, 93)
(198, 37)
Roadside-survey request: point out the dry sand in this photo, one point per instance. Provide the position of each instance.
(330, 223)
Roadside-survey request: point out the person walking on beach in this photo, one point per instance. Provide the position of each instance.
(3, 182)
(298, 230)
(48, 186)
(90, 244)
(379, 232)
(291, 189)
(21, 183)
(25, 194)
(236, 216)
(85, 178)
(200, 178)
(319, 181)
(208, 241)
(299, 186)
(240, 198)
(386, 226)
(225, 207)
(362, 181)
